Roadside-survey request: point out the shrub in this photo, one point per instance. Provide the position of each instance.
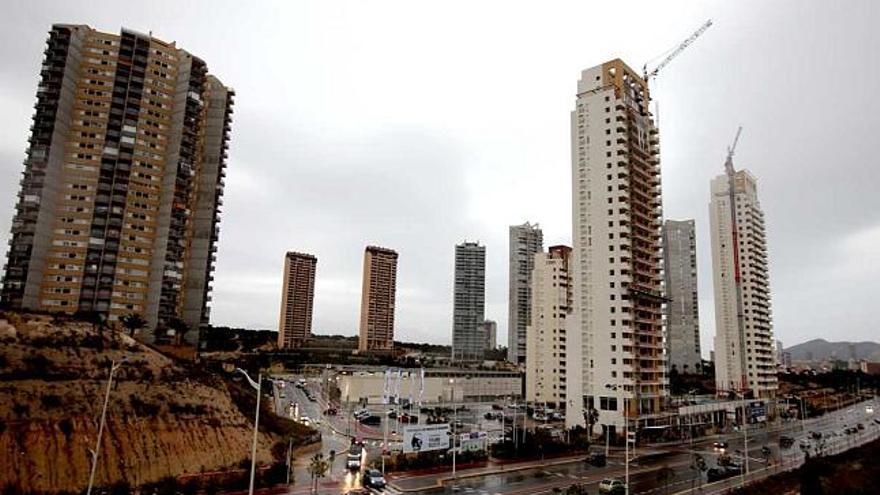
(66, 427)
(50, 401)
(37, 362)
(142, 408)
(120, 488)
(21, 409)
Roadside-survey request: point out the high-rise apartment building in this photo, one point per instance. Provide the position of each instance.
(377, 300)
(489, 330)
(546, 335)
(469, 302)
(120, 197)
(297, 299)
(744, 358)
(525, 240)
(682, 306)
(616, 348)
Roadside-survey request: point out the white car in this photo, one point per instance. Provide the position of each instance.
(612, 485)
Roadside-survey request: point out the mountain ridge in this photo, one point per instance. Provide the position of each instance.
(821, 349)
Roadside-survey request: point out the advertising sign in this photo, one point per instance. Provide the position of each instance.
(476, 440)
(425, 438)
(757, 411)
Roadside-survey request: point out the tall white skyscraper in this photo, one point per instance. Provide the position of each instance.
(682, 306)
(546, 339)
(617, 343)
(744, 357)
(525, 240)
(469, 302)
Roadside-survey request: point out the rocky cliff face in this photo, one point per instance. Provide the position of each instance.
(163, 419)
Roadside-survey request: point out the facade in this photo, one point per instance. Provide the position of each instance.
(744, 355)
(682, 305)
(297, 299)
(377, 300)
(616, 349)
(469, 302)
(489, 330)
(120, 198)
(525, 240)
(546, 343)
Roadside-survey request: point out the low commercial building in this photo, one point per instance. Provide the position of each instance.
(437, 386)
(870, 368)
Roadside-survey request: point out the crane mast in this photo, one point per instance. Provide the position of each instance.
(737, 278)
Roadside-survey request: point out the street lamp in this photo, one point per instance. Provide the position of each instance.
(256, 386)
(454, 425)
(113, 367)
(625, 436)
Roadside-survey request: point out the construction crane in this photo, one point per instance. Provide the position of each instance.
(680, 48)
(728, 164)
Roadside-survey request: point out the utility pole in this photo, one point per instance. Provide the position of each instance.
(256, 387)
(454, 427)
(385, 420)
(289, 448)
(113, 367)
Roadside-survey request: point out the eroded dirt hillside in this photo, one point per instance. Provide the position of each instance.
(164, 419)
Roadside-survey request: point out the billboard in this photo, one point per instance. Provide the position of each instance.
(757, 411)
(425, 438)
(475, 440)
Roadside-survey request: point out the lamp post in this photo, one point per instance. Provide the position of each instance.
(454, 426)
(256, 386)
(385, 420)
(113, 367)
(625, 437)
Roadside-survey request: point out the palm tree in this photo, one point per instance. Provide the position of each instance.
(133, 322)
(180, 328)
(592, 417)
(699, 465)
(97, 320)
(317, 469)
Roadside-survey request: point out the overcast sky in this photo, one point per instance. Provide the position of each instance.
(416, 125)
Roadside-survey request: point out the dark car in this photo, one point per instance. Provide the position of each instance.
(409, 418)
(371, 419)
(331, 411)
(497, 407)
(717, 474)
(786, 442)
(596, 459)
(817, 435)
(373, 479)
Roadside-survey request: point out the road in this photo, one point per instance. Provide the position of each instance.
(537, 477)
(645, 469)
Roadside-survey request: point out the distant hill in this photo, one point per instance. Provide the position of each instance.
(821, 349)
